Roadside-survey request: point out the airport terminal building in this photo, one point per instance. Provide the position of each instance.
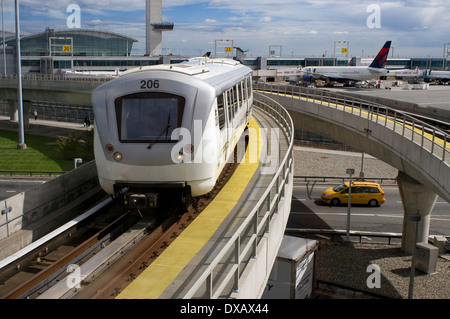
(53, 52)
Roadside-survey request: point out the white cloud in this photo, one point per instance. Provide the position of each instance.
(95, 22)
(254, 23)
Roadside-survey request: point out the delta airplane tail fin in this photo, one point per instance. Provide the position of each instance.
(380, 61)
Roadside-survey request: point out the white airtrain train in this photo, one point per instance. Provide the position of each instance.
(151, 124)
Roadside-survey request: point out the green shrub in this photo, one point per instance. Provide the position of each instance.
(72, 147)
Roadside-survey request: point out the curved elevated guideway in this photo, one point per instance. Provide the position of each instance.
(419, 151)
(230, 247)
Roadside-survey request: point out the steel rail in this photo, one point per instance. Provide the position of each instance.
(33, 246)
(46, 275)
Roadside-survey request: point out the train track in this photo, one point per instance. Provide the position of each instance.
(146, 251)
(101, 258)
(38, 267)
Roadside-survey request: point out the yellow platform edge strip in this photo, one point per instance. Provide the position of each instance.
(158, 276)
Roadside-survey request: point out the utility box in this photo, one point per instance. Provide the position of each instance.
(426, 257)
(292, 275)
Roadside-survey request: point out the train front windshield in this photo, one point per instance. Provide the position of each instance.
(149, 117)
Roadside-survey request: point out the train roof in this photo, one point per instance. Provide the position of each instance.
(218, 72)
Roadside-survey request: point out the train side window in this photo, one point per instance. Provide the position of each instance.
(236, 94)
(233, 101)
(229, 106)
(241, 95)
(249, 87)
(245, 90)
(221, 111)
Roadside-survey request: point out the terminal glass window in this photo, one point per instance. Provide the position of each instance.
(149, 117)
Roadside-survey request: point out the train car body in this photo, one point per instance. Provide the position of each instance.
(169, 127)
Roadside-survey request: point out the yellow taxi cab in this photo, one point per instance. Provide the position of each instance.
(362, 193)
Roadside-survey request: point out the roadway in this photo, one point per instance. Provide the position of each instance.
(388, 217)
(312, 214)
(11, 187)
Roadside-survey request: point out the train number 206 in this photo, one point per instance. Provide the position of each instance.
(149, 84)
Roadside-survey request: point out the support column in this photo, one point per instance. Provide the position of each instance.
(26, 110)
(13, 112)
(415, 197)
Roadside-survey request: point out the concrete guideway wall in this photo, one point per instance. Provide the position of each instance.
(255, 276)
(51, 89)
(32, 214)
(405, 106)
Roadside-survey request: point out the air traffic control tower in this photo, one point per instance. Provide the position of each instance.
(155, 27)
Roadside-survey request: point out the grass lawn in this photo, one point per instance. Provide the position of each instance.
(41, 153)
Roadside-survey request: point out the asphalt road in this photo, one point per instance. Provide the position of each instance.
(10, 188)
(313, 214)
(388, 217)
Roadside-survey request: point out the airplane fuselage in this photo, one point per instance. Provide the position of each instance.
(345, 73)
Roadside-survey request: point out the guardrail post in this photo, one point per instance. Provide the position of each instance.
(255, 232)
(445, 148)
(237, 254)
(395, 120)
(423, 133)
(209, 286)
(432, 142)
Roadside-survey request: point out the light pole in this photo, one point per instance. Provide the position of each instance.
(414, 218)
(4, 44)
(22, 144)
(349, 171)
(361, 174)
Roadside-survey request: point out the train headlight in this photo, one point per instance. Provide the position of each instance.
(180, 157)
(117, 156)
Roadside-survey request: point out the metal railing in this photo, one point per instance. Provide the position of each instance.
(31, 173)
(434, 140)
(242, 246)
(337, 235)
(334, 179)
(61, 77)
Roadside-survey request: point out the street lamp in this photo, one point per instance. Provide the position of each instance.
(4, 44)
(350, 171)
(413, 218)
(22, 144)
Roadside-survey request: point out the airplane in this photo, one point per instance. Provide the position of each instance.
(346, 74)
(439, 76)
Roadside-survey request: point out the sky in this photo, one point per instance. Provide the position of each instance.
(294, 28)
